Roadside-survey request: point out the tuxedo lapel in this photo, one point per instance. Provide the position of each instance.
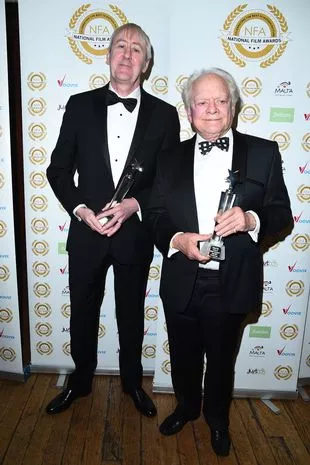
(100, 108)
(239, 161)
(186, 200)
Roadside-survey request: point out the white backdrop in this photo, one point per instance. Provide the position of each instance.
(261, 45)
(10, 341)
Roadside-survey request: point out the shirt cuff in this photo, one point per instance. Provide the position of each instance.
(76, 208)
(172, 250)
(139, 211)
(254, 234)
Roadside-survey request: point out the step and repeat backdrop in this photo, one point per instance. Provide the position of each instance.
(10, 339)
(63, 51)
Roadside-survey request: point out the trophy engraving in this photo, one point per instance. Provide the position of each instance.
(126, 182)
(215, 247)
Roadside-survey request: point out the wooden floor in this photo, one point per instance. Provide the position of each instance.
(105, 429)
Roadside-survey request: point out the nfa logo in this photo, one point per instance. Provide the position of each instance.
(294, 288)
(268, 288)
(284, 89)
(151, 313)
(3, 228)
(66, 310)
(266, 308)
(180, 82)
(40, 248)
(305, 143)
(38, 203)
(39, 225)
(37, 131)
(254, 35)
(303, 169)
(7, 354)
(101, 331)
(289, 332)
(166, 367)
(166, 347)
(41, 289)
(159, 85)
(154, 272)
(308, 361)
(298, 219)
(181, 110)
(90, 31)
(37, 106)
(41, 269)
(36, 81)
(283, 372)
(249, 113)
(282, 138)
(42, 310)
(37, 179)
(66, 348)
(4, 273)
(257, 351)
(303, 193)
(251, 87)
(149, 351)
(37, 155)
(44, 348)
(308, 89)
(300, 242)
(6, 315)
(43, 329)
(2, 180)
(97, 80)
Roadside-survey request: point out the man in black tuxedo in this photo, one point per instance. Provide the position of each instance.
(102, 132)
(205, 301)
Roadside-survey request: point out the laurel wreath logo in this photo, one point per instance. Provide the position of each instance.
(225, 44)
(282, 47)
(72, 23)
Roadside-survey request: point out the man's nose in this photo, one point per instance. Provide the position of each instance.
(127, 52)
(212, 108)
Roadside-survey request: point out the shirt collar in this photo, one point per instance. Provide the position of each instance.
(136, 93)
(228, 134)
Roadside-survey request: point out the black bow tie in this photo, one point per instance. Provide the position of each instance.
(129, 103)
(222, 143)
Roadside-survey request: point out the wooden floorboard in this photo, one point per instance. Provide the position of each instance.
(105, 429)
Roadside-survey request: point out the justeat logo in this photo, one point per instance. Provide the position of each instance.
(282, 138)
(249, 113)
(254, 35)
(301, 242)
(180, 81)
(37, 155)
(36, 81)
(260, 331)
(97, 80)
(37, 106)
(305, 143)
(90, 31)
(283, 372)
(282, 115)
(303, 193)
(160, 85)
(251, 87)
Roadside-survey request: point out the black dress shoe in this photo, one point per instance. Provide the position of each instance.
(220, 442)
(172, 424)
(142, 402)
(63, 401)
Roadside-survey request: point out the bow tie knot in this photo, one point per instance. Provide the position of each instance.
(222, 143)
(129, 103)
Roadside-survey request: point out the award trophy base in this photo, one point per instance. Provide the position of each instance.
(214, 248)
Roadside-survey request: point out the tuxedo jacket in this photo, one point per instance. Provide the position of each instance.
(82, 148)
(172, 209)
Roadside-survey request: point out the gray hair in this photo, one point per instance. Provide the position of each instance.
(134, 28)
(231, 83)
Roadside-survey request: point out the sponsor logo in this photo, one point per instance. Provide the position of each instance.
(37, 106)
(181, 110)
(7, 354)
(256, 371)
(300, 220)
(303, 193)
(180, 82)
(289, 331)
(257, 351)
(307, 116)
(282, 138)
(308, 361)
(4, 273)
(38, 203)
(38, 179)
(282, 115)
(283, 372)
(149, 351)
(62, 227)
(251, 87)
(6, 315)
(41, 269)
(44, 348)
(166, 347)
(271, 263)
(304, 169)
(305, 143)
(294, 288)
(43, 329)
(289, 312)
(3, 228)
(281, 352)
(65, 330)
(39, 225)
(284, 89)
(249, 113)
(66, 348)
(64, 270)
(97, 80)
(66, 310)
(65, 291)
(150, 295)
(186, 134)
(159, 85)
(266, 308)
(151, 313)
(2, 180)
(308, 89)
(300, 242)
(268, 289)
(260, 331)
(1, 131)
(166, 367)
(101, 331)
(154, 272)
(61, 247)
(37, 155)
(294, 269)
(5, 336)
(90, 31)
(41, 289)
(61, 83)
(37, 131)
(40, 248)
(36, 81)
(42, 310)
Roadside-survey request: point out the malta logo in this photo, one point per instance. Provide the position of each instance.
(255, 35)
(90, 31)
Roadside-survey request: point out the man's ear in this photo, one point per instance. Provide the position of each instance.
(145, 67)
(107, 60)
(189, 115)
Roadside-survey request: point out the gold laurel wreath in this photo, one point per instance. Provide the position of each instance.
(79, 12)
(283, 24)
(225, 43)
(119, 13)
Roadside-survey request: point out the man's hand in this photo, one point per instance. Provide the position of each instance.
(187, 243)
(88, 216)
(234, 220)
(120, 212)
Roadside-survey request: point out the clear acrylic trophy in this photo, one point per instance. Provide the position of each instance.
(126, 182)
(215, 247)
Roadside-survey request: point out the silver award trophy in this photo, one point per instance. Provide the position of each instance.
(125, 183)
(215, 247)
